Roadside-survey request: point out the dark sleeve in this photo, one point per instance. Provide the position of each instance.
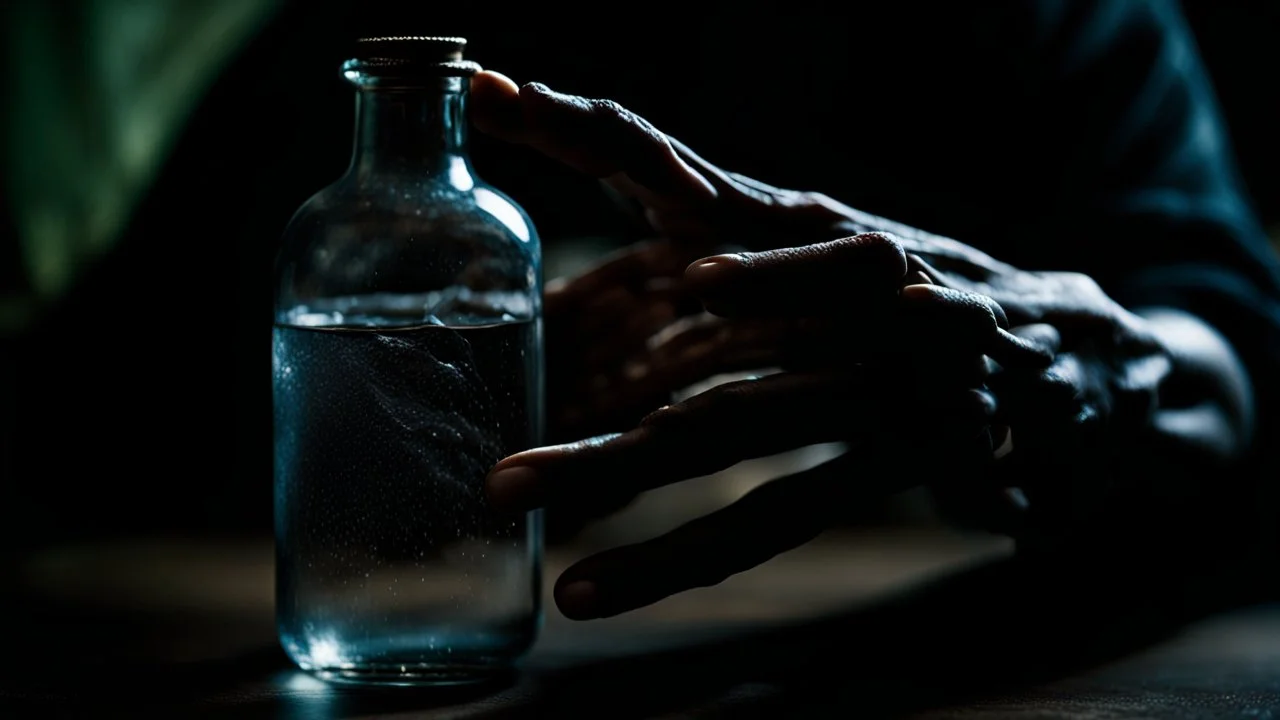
(1148, 179)
(1149, 186)
(1147, 201)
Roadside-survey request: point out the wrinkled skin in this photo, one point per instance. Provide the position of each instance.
(894, 341)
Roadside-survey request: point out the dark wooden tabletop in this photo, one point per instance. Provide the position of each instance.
(905, 623)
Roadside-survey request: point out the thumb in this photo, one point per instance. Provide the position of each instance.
(811, 280)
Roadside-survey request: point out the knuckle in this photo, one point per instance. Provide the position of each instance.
(1054, 384)
(875, 249)
(878, 237)
(968, 311)
(882, 245)
(604, 120)
(1083, 284)
(611, 109)
(611, 114)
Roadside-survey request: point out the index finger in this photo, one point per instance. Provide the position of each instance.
(707, 433)
(596, 137)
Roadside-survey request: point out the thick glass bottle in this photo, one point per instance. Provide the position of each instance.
(407, 360)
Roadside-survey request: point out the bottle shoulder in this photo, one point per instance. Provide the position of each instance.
(415, 205)
(409, 238)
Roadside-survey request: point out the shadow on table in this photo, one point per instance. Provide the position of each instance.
(987, 631)
(981, 632)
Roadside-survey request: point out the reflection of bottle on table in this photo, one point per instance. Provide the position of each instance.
(407, 360)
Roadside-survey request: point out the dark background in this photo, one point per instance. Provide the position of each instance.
(139, 401)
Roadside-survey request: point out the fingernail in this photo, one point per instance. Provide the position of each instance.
(577, 600)
(514, 487)
(710, 271)
(919, 291)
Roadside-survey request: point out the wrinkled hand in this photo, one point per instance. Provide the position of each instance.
(902, 346)
(648, 336)
(685, 198)
(1099, 396)
(835, 302)
(1108, 365)
(696, 208)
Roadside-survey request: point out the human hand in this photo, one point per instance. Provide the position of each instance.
(920, 390)
(1105, 390)
(695, 208)
(684, 197)
(1070, 419)
(634, 306)
(1103, 380)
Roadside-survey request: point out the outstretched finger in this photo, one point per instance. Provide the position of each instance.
(597, 137)
(709, 432)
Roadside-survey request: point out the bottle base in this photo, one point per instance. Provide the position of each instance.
(421, 675)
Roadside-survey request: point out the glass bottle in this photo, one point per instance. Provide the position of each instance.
(407, 360)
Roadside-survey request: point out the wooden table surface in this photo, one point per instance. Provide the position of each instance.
(906, 623)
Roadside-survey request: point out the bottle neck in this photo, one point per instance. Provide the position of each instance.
(418, 130)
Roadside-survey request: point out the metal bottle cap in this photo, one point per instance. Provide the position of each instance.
(405, 56)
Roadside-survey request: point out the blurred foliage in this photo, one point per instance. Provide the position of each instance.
(97, 92)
